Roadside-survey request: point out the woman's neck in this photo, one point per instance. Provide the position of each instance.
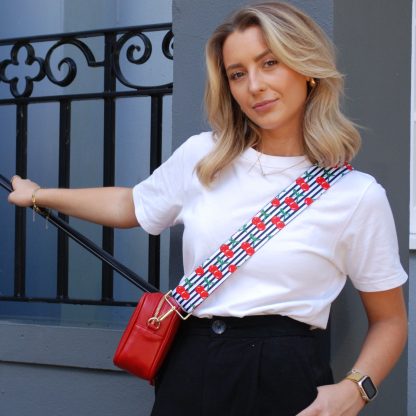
(280, 147)
(283, 144)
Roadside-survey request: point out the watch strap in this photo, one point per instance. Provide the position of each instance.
(355, 375)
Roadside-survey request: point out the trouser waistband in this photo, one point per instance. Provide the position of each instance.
(256, 325)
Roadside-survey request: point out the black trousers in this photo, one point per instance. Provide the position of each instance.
(252, 366)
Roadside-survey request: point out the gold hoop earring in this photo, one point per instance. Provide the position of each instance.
(312, 83)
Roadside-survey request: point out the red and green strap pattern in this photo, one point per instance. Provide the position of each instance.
(248, 239)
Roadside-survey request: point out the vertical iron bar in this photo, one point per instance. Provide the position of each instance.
(155, 161)
(20, 217)
(64, 182)
(109, 156)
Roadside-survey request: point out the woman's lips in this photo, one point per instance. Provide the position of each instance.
(264, 105)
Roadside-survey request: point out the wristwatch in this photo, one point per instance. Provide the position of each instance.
(367, 388)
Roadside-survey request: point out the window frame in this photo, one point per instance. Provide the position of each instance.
(412, 208)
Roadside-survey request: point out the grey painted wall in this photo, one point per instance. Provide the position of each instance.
(62, 371)
(32, 390)
(374, 48)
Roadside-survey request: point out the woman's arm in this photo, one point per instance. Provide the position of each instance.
(385, 340)
(112, 206)
(387, 334)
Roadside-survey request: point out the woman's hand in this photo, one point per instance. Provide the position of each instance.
(342, 399)
(22, 191)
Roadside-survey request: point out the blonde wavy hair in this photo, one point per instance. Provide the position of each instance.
(299, 43)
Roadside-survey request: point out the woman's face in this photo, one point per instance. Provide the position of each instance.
(270, 94)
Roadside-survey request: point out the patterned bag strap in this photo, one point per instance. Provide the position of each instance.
(248, 239)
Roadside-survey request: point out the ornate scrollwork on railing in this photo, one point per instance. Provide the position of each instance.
(130, 46)
(144, 53)
(69, 62)
(145, 50)
(30, 60)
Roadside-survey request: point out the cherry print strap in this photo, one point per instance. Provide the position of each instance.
(248, 239)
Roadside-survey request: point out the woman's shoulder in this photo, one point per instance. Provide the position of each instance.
(363, 188)
(197, 146)
(200, 142)
(360, 179)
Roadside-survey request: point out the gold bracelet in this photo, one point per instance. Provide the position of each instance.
(35, 207)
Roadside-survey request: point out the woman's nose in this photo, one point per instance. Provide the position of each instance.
(255, 83)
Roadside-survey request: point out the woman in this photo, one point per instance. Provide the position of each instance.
(250, 348)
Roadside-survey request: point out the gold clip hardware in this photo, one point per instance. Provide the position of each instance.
(155, 320)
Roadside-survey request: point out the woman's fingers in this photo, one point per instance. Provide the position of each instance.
(13, 178)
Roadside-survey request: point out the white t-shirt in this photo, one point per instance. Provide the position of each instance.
(349, 231)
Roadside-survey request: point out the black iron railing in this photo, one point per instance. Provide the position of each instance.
(88, 245)
(115, 85)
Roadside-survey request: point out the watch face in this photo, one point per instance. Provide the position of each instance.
(369, 388)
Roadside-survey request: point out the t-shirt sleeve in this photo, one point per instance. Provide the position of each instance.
(370, 244)
(158, 200)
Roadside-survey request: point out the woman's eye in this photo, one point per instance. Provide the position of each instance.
(270, 62)
(236, 75)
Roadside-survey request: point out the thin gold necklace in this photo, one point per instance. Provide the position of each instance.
(258, 161)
